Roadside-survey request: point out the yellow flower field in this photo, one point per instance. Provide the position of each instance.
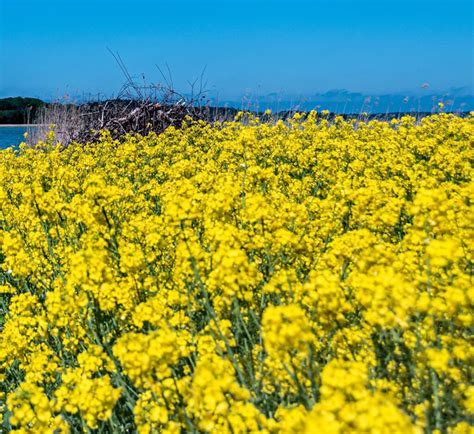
(291, 277)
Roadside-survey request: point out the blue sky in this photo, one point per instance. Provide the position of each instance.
(49, 48)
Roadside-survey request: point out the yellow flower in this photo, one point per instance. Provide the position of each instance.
(256, 275)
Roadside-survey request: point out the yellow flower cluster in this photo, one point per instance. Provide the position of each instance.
(307, 275)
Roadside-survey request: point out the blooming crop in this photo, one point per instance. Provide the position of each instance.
(298, 276)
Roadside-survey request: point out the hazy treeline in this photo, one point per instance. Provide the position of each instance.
(19, 110)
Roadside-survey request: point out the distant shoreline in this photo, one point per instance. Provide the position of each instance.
(20, 125)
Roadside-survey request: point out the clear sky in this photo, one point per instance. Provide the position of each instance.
(52, 47)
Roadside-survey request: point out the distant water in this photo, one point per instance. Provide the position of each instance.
(11, 136)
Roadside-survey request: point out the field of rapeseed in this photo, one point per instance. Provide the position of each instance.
(302, 276)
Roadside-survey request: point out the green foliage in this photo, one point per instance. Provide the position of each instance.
(19, 110)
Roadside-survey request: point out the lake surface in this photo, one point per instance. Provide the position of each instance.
(12, 136)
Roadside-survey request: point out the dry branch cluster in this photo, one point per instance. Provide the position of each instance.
(82, 123)
(139, 107)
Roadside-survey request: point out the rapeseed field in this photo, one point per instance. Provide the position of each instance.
(299, 276)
